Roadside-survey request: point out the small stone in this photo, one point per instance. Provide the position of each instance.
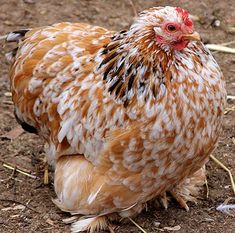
(43, 12)
(156, 224)
(77, 13)
(8, 94)
(216, 23)
(171, 222)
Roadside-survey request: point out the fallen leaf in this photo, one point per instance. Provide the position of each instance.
(14, 133)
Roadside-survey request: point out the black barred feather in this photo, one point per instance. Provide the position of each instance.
(127, 74)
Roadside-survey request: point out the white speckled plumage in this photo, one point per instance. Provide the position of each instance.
(125, 118)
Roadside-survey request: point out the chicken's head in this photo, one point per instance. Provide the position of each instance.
(169, 27)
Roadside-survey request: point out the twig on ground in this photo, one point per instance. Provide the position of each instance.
(207, 188)
(111, 229)
(8, 102)
(231, 29)
(226, 169)
(10, 177)
(228, 43)
(46, 174)
(3, 37)
(21, 203)
(194, 17)
(138, 226)
(20, 170)
(227, 110)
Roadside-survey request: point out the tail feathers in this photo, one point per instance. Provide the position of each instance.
(24, 125)
(92, 224)
(16, 36)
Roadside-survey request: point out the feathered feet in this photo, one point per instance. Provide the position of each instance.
(188, 190)
(91, 224)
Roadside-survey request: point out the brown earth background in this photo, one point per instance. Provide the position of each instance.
(38, 213)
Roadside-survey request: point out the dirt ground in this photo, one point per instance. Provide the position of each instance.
(30, 208)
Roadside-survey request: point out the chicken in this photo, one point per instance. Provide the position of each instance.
(126, 116)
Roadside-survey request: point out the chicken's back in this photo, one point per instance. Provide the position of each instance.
(45, 65)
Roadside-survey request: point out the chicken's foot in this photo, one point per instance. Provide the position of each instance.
(180, 200)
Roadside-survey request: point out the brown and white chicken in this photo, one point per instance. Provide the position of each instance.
(126, 115)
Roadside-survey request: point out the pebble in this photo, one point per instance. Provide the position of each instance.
(156, 224)
(8, 94)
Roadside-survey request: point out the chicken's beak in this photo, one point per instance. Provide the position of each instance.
(192, 36)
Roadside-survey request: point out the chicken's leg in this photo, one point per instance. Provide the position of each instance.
(182, 201)
(46, 172)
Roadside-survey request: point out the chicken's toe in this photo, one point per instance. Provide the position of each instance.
(180, 200)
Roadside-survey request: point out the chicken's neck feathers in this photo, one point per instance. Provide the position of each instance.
(133, 69)
(137, 70)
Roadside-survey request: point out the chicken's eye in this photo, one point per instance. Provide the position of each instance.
(171, 28)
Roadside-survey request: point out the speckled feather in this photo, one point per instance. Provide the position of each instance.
(124, 118)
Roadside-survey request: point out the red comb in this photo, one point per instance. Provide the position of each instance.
(185, 15)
